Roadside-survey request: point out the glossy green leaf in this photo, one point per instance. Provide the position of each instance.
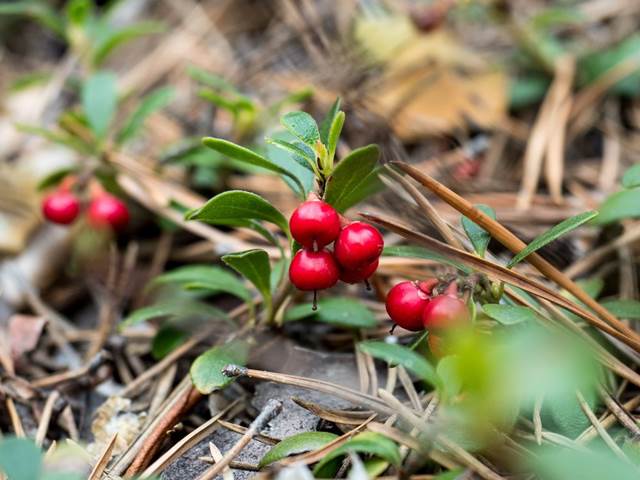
(20, 459)
(410, 251)
(206, 370)
(478, 236)
(297, 151)
(247, 156)
(302, 442)
(623, 308)
(631, 177)
(369, 443)
(115, 38)
(342, 311)
(400, 355)
(552, 234)
(235, 205)
(618, 206)
(151, 103)
(167, 339)
(296, 165)
(207, 277)
(509, 314)
(327, 121)
(354, 178)
(60, 138)
(254, 265)
(99, 100)
(303, 126)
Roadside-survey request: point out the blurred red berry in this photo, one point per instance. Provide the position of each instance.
(61, 207)
(107, 210)
(445, 311)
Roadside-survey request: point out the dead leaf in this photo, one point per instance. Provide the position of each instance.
(24, 333)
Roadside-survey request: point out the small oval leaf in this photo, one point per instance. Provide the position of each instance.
(552, 234)
(478, 236)
(342, 311)
(254, 265)
(398, 354)
(234, 205)
(205, 277)
(206, 370)
(509, 314)
(354, 178)
(618, 206)
(623, 308)
(303, 126)
(302, 442)
(370, 443)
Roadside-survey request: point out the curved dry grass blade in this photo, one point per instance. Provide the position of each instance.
(513, 243)
(501, 273)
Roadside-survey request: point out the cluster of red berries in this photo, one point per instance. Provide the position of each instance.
(413, 306)
(356, 251)
(104, 210)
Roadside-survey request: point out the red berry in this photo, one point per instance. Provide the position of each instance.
(405, 304)
(61, 207)
(360, 274)
(315, 221)
(358, 244)
(107, 210)
(445, 311)
(436, 345)
(428, 285)
(313, 270)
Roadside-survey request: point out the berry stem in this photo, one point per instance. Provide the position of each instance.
(314, 306)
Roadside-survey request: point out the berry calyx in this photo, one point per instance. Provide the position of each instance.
(358, 245)
(360, 274)
(428, 285)
(105, 210)
(61, 207)
(405, 305)
(313, 270)
(445, 311)
(315, 222)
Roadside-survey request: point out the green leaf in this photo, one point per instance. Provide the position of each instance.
(294, 164)
(302, 442)
(37, 10)
(509, 314)
(206, 370)
(397, 354)
(334, 133)
(410, 251)
(54, 178)
(20, 459)
(108, 43)
(166, 340)
(29, 80)
(618, 206)
(342, 311)
(303, 126)
(207, 277)
(450, 475)
(172, 309)
(254, 265)
(479, 237)
(60, 138)
(524, 92)
(245, 155)
(236, 205)
(552, 234)
(370, 443)
(296, 151)
(354, 178)
(449, 371)
(327, 121)
(623, 308)
(593, 66)
(154, 101)
(631, 177)
(99, 99)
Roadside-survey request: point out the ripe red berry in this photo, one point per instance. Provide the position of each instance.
(360, 274)
(405, 304)
(61, 207)
(107, 210)
(316, 222)
(313, 270)
(445, 311)
(358, 244)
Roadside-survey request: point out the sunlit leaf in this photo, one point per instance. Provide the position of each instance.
(303, 126)
(302, 442)
(552, 234)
